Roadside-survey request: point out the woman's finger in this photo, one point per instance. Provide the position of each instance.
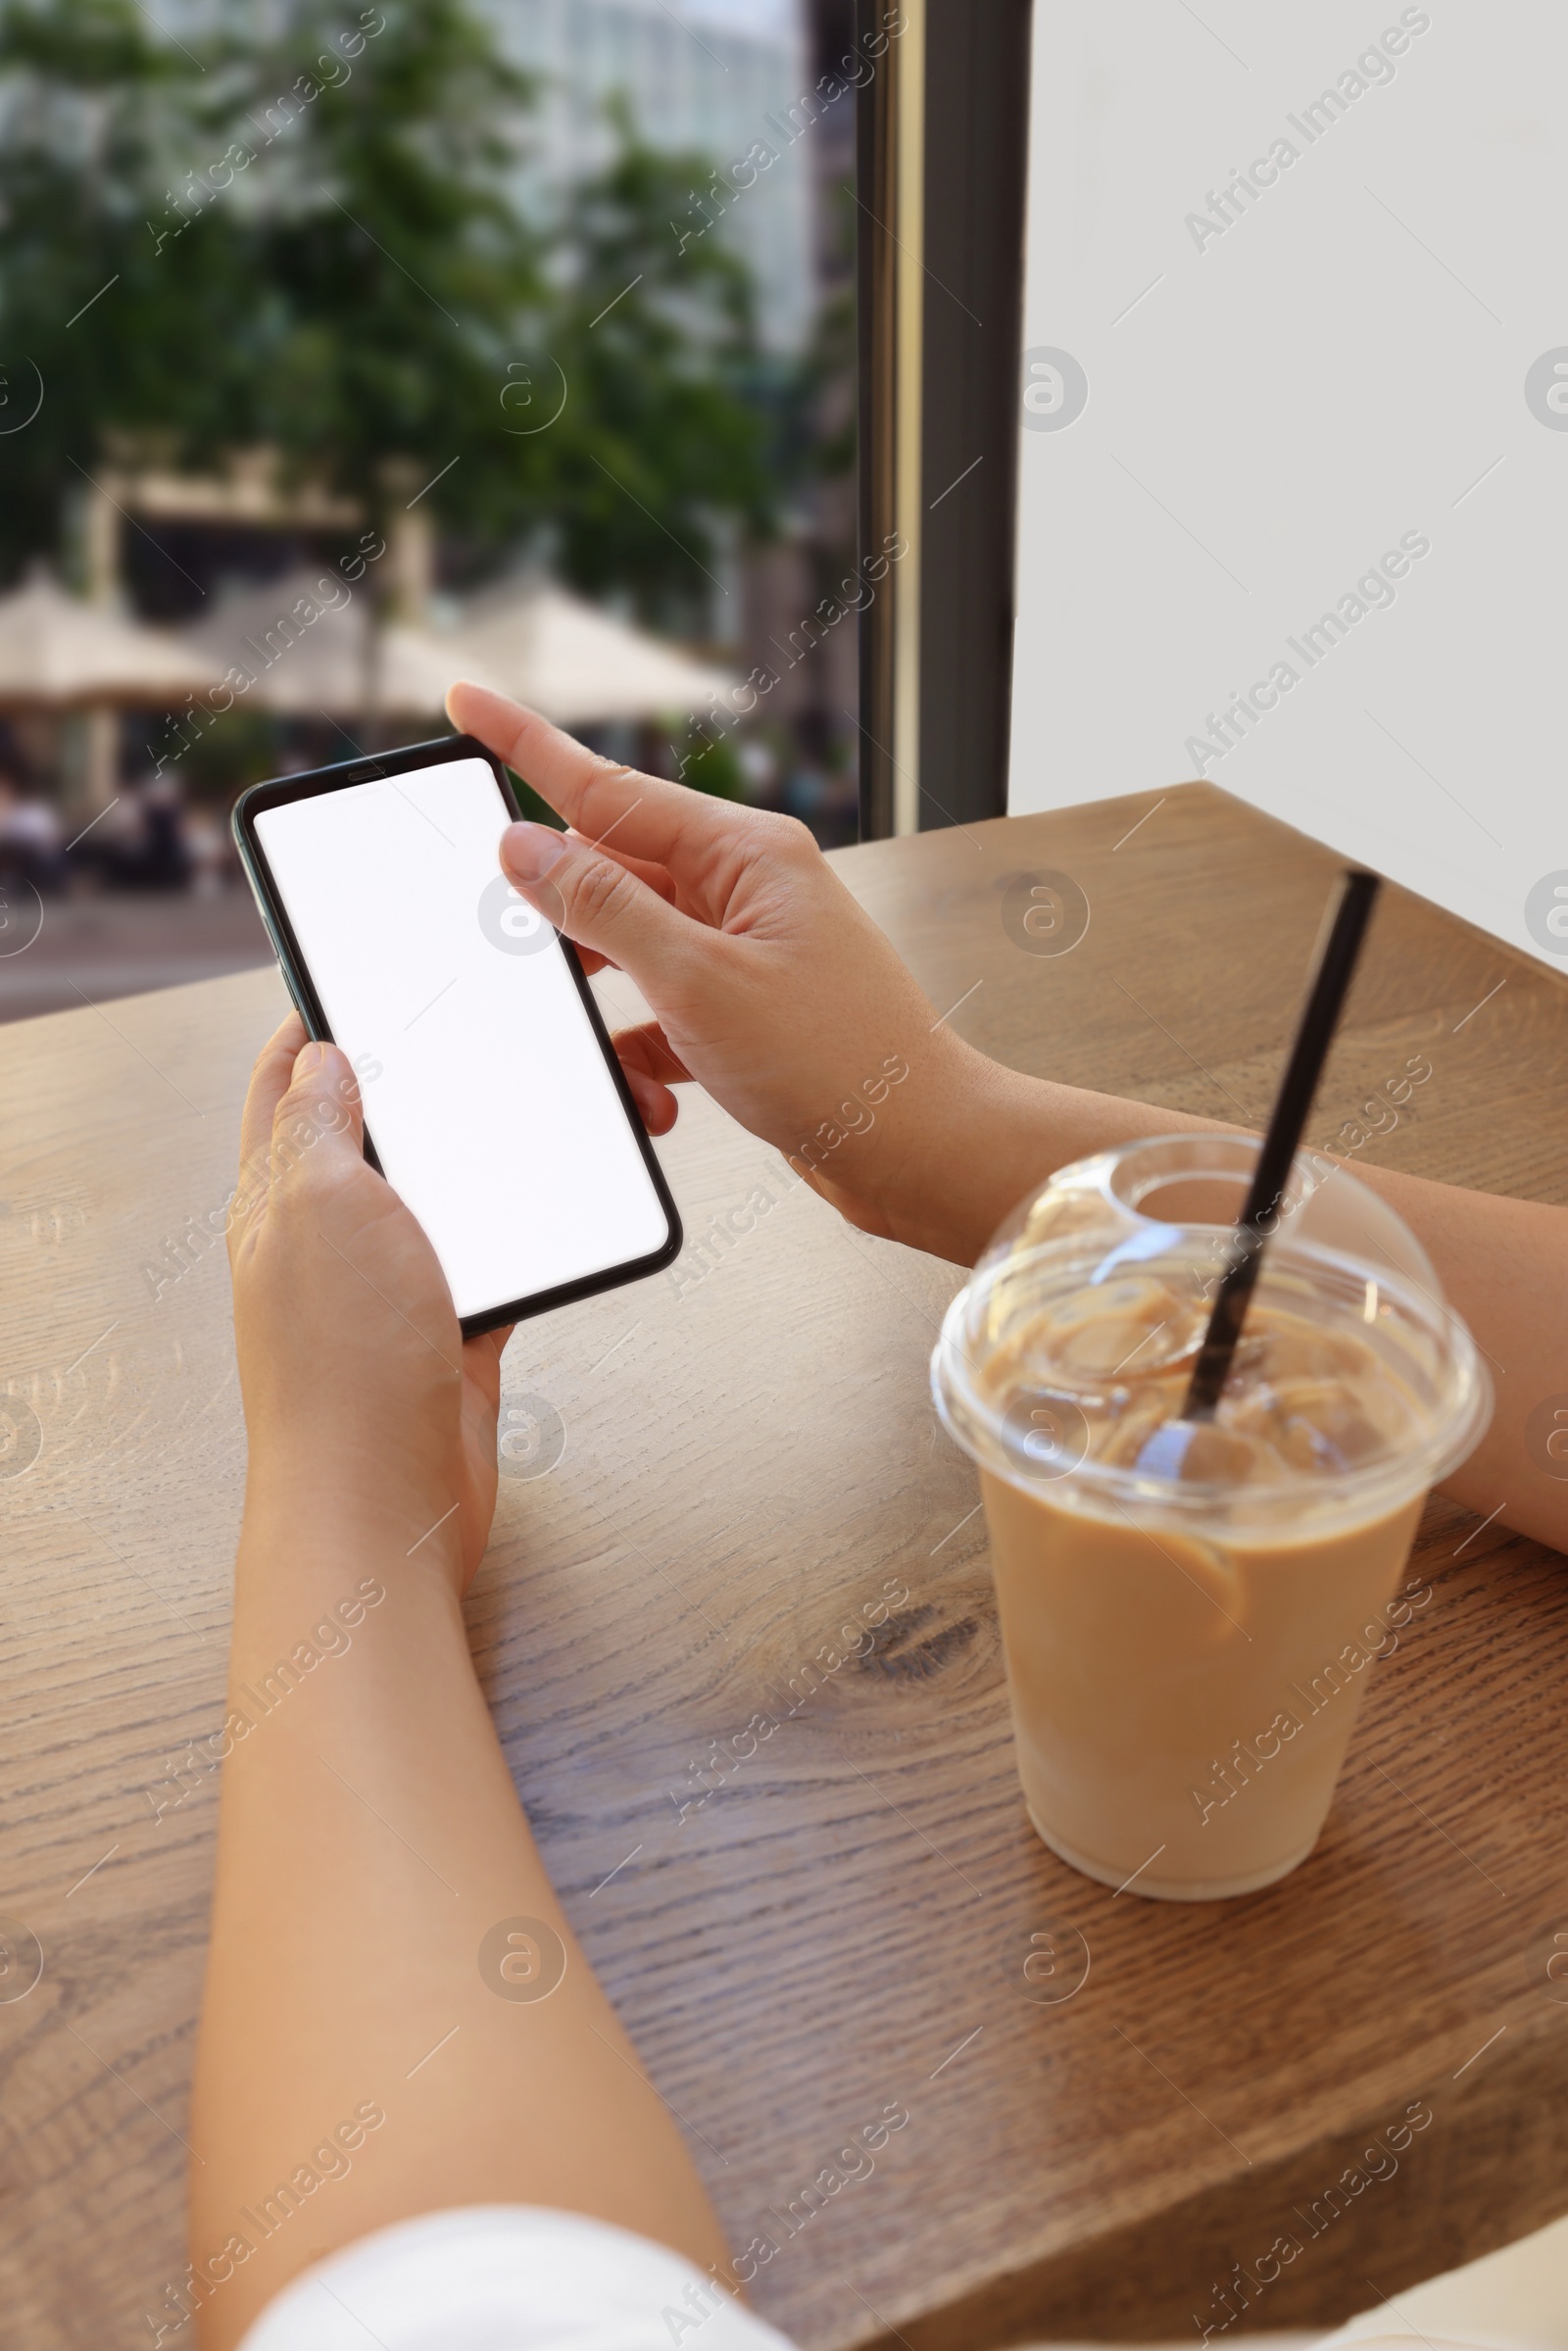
(601, 905)
(646, 869)
(656, 1106)
(485, 1353)
(647, 817)
(646, 1049)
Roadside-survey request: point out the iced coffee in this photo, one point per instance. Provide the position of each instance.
(1190, 1613)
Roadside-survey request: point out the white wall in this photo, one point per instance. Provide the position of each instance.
(1344, 364)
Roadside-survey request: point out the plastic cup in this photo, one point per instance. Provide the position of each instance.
(1186, 1656)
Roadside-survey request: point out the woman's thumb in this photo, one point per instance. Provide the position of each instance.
(322, 1104)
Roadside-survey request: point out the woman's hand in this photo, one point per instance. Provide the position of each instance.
(770, 984)
(360, 1395)
(370, 1849)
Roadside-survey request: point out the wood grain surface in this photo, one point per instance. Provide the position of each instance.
(813, 1926)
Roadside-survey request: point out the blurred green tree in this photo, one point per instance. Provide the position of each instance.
(668, 443)
(710, 766)
(388, 264)
(308, 233)
(97, 118)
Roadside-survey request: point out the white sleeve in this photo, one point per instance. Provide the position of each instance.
(507, 2277)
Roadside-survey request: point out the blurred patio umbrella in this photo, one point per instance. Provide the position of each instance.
(531, 639)
(305, 654)
(58, 653)
(579, 666)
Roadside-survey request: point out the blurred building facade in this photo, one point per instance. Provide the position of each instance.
(721, 78)
(710, 81)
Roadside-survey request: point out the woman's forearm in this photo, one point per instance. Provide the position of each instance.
(371, 2046)
(1504, 1263)
(1504, 1266)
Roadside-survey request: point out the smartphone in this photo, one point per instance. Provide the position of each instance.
(493, 1103)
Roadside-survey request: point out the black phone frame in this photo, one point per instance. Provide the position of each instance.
(277, 793)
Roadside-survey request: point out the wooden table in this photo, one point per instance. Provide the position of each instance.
(751, 1464)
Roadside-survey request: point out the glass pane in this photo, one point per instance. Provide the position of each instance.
(347, 353)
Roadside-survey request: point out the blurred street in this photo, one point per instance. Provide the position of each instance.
(91, 950)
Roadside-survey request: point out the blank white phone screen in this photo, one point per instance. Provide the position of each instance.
(486, 1092)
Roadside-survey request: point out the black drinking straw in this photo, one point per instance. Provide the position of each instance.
(1338, 945)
